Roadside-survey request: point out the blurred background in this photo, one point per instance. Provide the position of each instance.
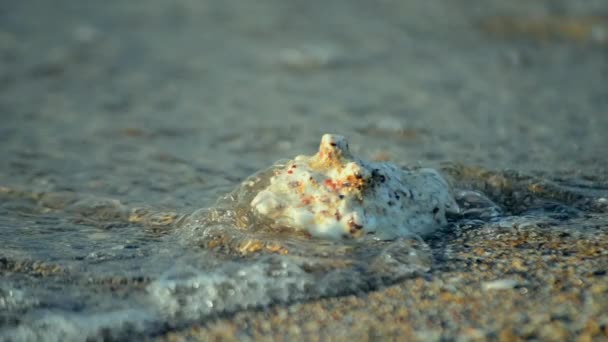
(152, 100)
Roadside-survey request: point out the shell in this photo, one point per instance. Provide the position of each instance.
(334, 194)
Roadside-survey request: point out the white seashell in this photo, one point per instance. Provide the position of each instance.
(333, 194)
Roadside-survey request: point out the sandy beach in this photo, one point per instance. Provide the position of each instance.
(166, 106)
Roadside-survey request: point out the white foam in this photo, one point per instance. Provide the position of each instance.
(66, 326)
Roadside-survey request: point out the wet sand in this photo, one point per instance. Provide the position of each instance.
(171, 104)
(508, 284)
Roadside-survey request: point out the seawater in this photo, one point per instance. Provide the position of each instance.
(110, 271)
(80, 266)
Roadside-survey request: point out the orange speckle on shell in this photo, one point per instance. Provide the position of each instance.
(306, 200)
(355, 182)
(330, 184)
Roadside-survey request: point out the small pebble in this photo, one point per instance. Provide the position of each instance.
(499, 284)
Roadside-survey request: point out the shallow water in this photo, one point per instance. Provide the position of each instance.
(75, 267)
(122, 122)
(93, 275)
